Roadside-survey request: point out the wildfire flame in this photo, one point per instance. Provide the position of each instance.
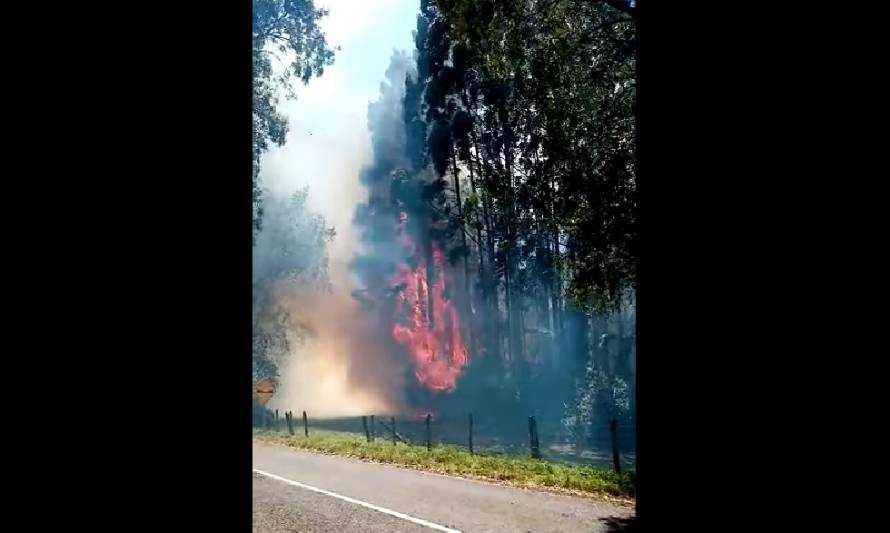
(432, 339)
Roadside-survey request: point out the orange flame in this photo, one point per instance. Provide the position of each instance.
(434, 343)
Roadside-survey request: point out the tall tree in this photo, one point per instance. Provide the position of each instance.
(291, 248)
(287, 45)
(534, 102)
(520, 141)
(557, 113)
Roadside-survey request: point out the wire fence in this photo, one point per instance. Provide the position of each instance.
(602, 443)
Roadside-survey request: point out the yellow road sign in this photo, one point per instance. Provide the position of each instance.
(264, 391)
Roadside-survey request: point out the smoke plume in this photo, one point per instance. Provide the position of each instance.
(341, 355)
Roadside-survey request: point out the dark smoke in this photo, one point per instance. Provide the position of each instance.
(394, 184)
(377, 260)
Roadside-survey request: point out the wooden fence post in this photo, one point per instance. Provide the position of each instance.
(277, 421)
(305, 424)
(365, 425)
(429, 432)
(290, 422)
(533, 437)
(471, 433)
(393, 420)
(373, 429)
(616, 456)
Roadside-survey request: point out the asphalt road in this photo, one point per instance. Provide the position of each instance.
(359, 496)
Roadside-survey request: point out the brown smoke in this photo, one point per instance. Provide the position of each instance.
(347, 366)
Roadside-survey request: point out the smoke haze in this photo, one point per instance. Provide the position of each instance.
(346, 366)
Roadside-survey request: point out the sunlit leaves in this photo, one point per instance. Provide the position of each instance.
(286, 36)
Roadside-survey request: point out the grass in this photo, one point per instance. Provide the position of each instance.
(513, 470)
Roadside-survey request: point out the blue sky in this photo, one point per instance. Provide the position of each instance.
(334, 108)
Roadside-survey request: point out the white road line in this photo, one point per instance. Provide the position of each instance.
(384, 510)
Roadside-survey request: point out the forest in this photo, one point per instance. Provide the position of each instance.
(499, 233)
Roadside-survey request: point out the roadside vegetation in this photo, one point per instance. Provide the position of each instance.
(512, 470)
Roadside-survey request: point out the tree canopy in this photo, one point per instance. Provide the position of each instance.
(287, 45)
(521, 135)
(539, 97)
(291, 247)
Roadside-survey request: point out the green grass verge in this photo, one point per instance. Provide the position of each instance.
(520, 471)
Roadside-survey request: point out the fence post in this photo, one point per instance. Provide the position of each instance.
(305, 424)
(365, 425)
(533, 437)
(616, 456)
(429, 432)
(393, 420)
(373, 429)
(471, 433)
(277, 422)
(290, 422)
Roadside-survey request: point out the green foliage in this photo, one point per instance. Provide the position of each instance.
(292, 244)
(520, 138)
(440, 146)
(291, 248)
(285, 35)
(603, 391)
(555, 117)
(526, 113)
(270, 345)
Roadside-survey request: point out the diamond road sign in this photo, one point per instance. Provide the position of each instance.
(264, 391)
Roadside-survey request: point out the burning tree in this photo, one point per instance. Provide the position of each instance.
(406, 230)
(500, 225)
(430, 327)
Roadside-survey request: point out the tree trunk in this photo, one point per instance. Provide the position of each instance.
(508, 303)
(489, 282)
(479, 246)
(515, 322)
(463, 239)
